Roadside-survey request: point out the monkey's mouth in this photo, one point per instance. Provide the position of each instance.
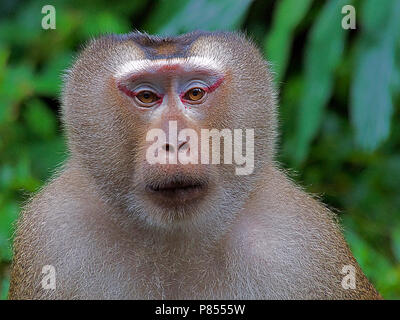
(177, 191)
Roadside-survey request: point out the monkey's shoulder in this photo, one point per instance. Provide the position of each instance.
(53, 230)
(293, 241)
(63, 196)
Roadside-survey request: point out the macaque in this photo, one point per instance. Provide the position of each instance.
(149, 206)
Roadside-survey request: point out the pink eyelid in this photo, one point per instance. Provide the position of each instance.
(208, 89)
(133, 94)
(214, 86)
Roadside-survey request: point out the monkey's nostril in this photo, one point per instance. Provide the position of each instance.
(183, 146)
(168, 148)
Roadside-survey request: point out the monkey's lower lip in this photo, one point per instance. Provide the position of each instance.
(177, 190)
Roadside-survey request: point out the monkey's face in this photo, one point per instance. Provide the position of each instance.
(171, 102)
(144, 126)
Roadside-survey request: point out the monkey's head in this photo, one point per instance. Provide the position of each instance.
(127, 101)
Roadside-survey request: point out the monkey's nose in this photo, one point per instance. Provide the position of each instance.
(182, 145)
(168, 147)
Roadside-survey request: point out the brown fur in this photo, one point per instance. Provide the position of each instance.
(252, 237)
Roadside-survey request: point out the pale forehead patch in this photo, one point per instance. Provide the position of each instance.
(147, 65)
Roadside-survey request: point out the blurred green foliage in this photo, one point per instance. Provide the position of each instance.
(339, 102)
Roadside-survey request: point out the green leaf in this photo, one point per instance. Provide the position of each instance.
(104, 22)
(25, 27)
(4, 286)
(4, 54)
(50, 80)
(374, 265)
(40, 119)
(396, 243)
(5, 103)
(18, 83)
(23, 179)
(287, 16)
(8, 214)
(374, 77)
(323, 54)
(175, 17)
(55, 151)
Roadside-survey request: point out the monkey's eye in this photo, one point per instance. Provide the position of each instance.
(147, 97)
(195, 94)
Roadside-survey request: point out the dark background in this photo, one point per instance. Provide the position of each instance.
(339, 102)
